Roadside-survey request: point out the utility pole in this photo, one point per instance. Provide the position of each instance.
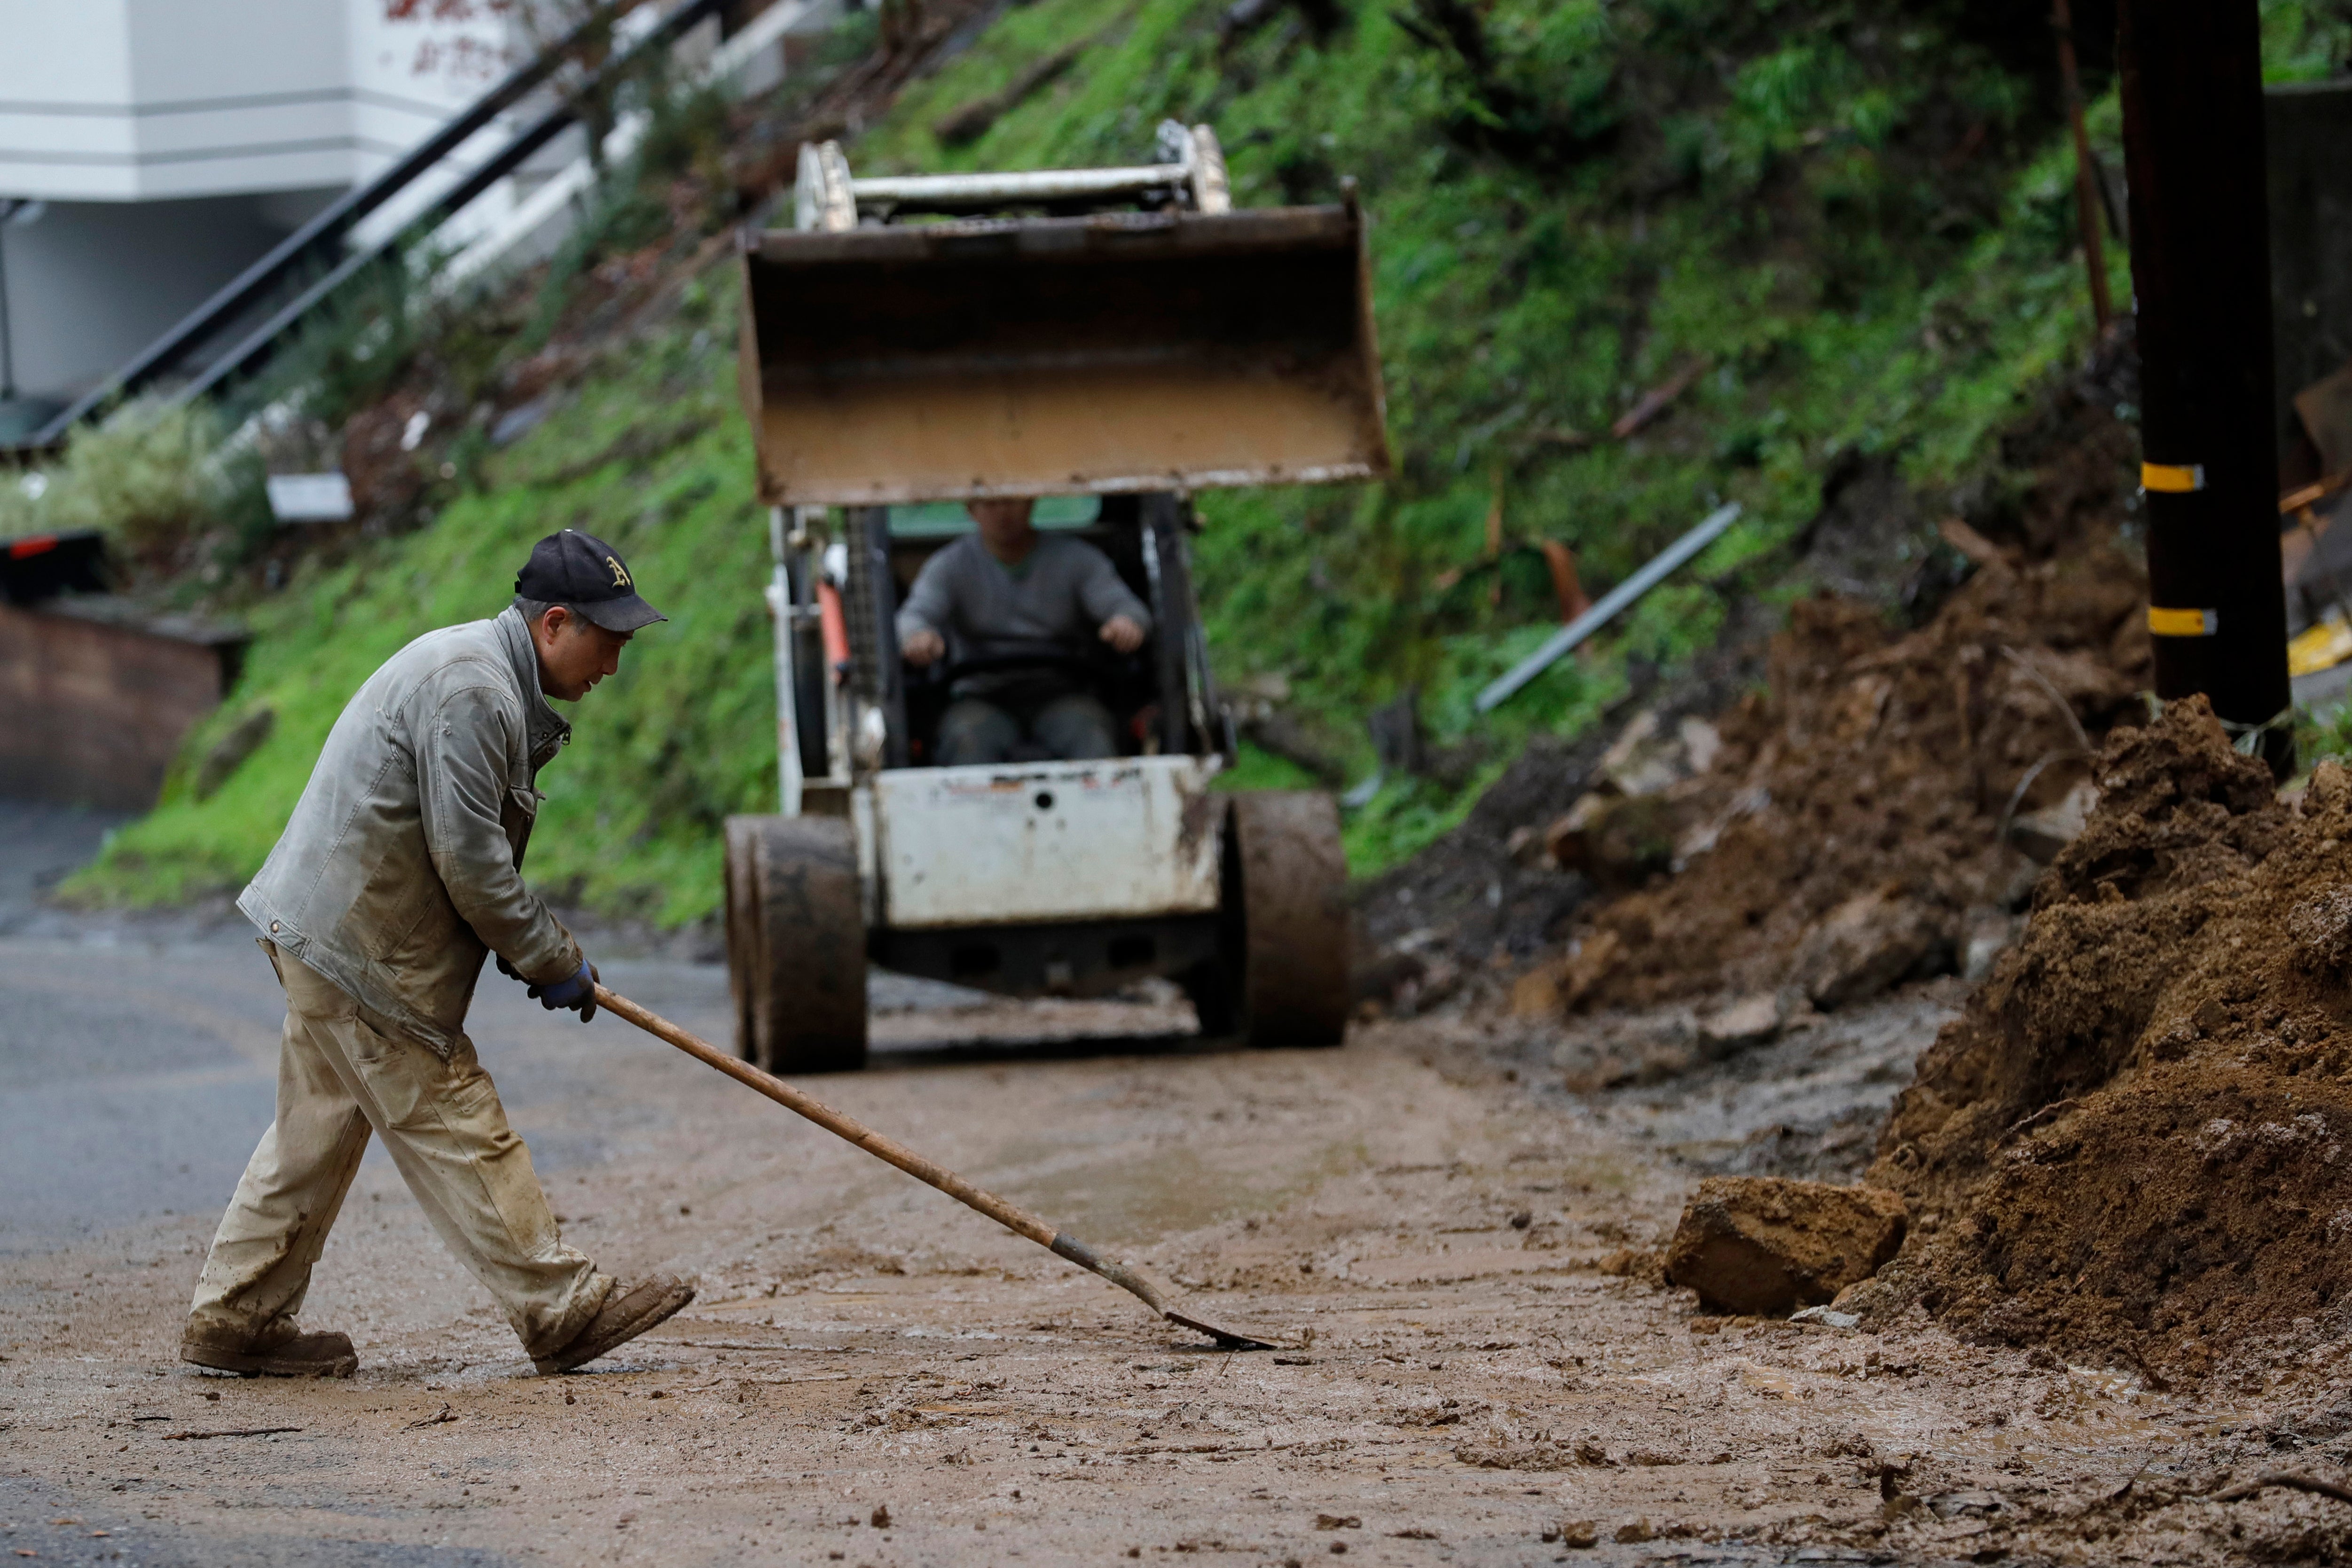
(2193, 99)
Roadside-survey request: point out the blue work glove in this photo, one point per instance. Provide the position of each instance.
(579, 992)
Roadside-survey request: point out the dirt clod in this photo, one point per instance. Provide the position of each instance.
(1767, 1246)
(1864, 946)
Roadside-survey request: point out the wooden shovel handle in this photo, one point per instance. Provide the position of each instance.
(1018, 1220)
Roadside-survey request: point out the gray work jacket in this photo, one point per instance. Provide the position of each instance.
(1055, 600)
(402, 864)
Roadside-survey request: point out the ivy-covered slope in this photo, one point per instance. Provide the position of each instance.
(1847, 224)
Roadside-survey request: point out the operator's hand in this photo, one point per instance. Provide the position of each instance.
(508, 970)
(919, 648)
(1123, 635)
(579, 992)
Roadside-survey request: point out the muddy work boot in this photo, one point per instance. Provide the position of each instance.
(627, 1312)
(281, 1353)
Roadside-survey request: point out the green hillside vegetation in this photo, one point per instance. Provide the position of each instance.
(653, 456)
(1856, 220)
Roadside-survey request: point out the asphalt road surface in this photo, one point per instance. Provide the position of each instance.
(39, 844)
(137, 1071)
(1481, 1364)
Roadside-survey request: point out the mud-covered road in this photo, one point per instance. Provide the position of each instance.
(1451, 1241)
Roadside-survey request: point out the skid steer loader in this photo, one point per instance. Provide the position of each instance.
(1110, 341)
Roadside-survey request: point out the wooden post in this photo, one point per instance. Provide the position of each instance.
(2087, 203)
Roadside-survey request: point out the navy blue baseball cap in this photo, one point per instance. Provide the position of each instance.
(583, 571)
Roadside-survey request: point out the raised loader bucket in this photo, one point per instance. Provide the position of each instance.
(1059, 355)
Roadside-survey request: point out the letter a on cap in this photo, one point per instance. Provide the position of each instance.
(580, 570)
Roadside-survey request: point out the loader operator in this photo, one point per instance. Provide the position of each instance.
(398, 872)
(1001, 596)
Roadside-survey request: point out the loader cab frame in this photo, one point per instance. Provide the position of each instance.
(1162, 696)
(1113, 340)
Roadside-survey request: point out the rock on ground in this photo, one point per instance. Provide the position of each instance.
(1864, 946)
(1766, 1246)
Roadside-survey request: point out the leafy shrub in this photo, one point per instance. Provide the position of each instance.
(20, 501)
(153, 478)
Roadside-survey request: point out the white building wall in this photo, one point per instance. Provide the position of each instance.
(168, 143)
(236, 97)
(414, 68)
(91, 283)
(141, 99)
(173, 141)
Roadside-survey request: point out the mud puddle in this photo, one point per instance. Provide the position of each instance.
(1809, 1104)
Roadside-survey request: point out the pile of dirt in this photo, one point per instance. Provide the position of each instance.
(1849, 830)
(2130, 1145)
(1815, 812)
(1857, 822)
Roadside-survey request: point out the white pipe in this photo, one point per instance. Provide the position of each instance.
(1602, 614)
(1023, 186)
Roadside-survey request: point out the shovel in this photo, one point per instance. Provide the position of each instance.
(1019, 1221)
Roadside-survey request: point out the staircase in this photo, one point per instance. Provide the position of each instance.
(234, 333)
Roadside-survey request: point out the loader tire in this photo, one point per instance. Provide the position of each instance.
(1285, 895)
(796, 943)
(1209, 985)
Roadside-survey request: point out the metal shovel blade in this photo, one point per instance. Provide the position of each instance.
(1147, 1292)
(1019, 1221)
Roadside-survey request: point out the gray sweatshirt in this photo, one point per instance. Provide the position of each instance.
(402, 865)
(1060, 594)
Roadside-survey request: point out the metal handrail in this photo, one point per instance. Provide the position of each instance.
(316, 237)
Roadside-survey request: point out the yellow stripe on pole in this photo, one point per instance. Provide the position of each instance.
(2166, 622)
(2172, 479)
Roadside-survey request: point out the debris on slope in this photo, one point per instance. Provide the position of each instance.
(1848, 832)
(1878, 813)
(1488, 896)
(2131, 1146)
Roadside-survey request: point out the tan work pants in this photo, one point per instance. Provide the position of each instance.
(342, 1070)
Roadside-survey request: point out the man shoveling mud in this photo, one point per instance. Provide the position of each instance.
(399, 871)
